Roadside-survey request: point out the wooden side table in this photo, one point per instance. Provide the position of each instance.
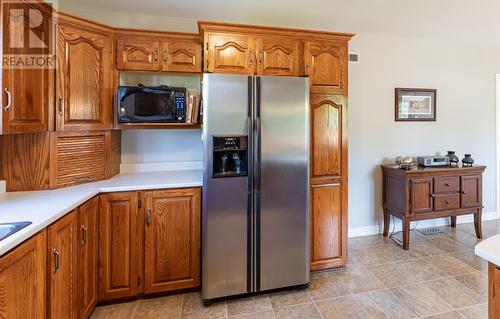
(426, 193)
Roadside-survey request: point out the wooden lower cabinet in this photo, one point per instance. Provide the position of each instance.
(149, 242)
(62, 267)
(493, 291)
(328, 222)
(87, 256)
(172, 240)
(119, 242)
(23, 280)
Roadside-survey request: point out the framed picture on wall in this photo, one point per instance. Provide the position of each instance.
(415, 105)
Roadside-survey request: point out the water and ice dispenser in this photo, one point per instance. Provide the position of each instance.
(230, 156)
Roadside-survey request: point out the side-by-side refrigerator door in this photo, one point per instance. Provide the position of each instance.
(283, 180)
(225, 210)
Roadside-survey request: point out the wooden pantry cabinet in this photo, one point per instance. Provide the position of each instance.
(326, 66)
(24, 298)
(161, 225)
(155, 52)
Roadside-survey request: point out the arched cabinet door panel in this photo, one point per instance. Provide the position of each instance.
(326, 65)
(230, 54)
(278, 56)
(181, 56)
(327, 134)
(84, 80)
(137, 54)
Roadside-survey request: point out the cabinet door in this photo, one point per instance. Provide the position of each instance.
(87, 254)
(328, 230)
(118, 245)
(472, 189)
(27, 93)
(23, 280)
(277, 56)
(493, 291)
(326, 65)
(421, 195)
(230, 54)
(84, 77)
(137, 54)
(172, 248)
(181, 56)
(328, 130)
(62, 252)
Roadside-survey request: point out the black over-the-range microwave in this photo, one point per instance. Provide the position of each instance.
(146, 104)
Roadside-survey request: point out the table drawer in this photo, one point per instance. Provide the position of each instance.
(446, 202)
(444, 185)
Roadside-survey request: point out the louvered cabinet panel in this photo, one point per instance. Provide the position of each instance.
(78, 159)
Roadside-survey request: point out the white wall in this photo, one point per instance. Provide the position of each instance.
(453, 47)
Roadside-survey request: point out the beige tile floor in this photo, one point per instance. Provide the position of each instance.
(438, 278)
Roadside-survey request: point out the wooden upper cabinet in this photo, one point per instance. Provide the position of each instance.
(26, 93)
(172, 246)
(137, 54)
(230, 54)
(181, 56)
(84, 79)
(62, 267)
(87, 256)
(328, 130)
(326, 65)
(23, 280)
(278, 56)
(118, 245)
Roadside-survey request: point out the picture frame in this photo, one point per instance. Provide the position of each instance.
(415, 105)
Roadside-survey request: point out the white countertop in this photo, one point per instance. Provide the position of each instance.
(43, 208)
(489, 249)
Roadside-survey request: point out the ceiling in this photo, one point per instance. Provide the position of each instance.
(465, 19)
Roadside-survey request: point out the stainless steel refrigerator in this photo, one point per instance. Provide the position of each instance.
(255, 214)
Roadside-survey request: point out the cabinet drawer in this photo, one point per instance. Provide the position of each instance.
(80, 159)
(446, 185)
(445, 202)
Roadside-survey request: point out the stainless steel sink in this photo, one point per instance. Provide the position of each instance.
(7, 229)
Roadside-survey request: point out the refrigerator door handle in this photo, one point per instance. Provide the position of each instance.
(250, 216)
(257, 180)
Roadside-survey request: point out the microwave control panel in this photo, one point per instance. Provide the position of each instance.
(180, 104)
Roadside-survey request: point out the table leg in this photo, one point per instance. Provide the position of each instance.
(406, 233)
(478, 223)
(387, 222)
(453, 221)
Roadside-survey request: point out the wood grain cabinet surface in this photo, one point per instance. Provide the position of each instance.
(23, 279)
(119, 243)
(143, 53)
(88, 232)
(234, 54)
(62, 267)
(326, 66)
(172, 240)
(493, 291)
(84, 79)
(26, 93)
(277, 56)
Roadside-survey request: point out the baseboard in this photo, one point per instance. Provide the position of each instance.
(378, 229)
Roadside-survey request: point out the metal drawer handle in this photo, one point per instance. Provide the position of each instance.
(148, 216)
(447, 202)
(260, 57)
(9, 100)
(61, 104)
(57, 260)
(464, 192)
(251, 58)
(164, 56)
(155, 56)
(84, 234)
(447, 184)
